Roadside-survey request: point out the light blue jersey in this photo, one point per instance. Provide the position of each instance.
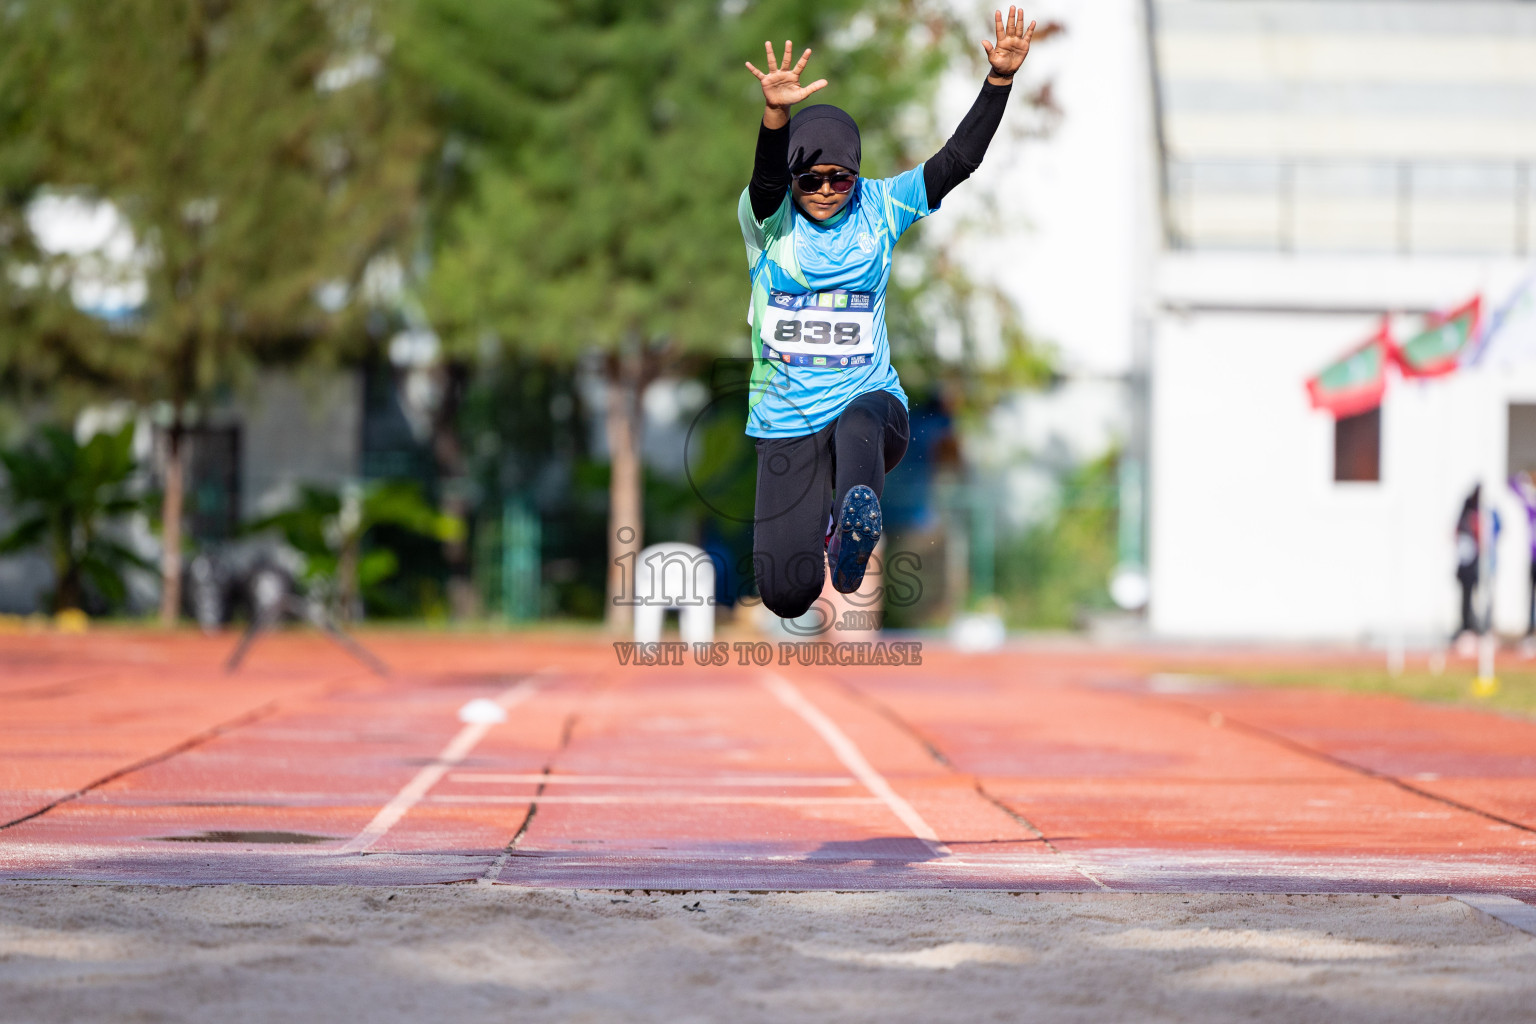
(818, 303)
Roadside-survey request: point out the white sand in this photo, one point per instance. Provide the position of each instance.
(456, 954)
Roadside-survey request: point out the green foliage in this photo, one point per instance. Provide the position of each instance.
(1060, 568)
(968, 386)
(339, 533)
(595, 155)
(1516, 692)
(260, 155)
(602, 148)
(63, 494)
(723, 470)
(519, 418)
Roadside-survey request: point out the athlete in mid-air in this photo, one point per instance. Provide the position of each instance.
(827, 411)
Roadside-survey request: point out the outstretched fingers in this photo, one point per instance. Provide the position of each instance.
(1013, 28)
(790, 73)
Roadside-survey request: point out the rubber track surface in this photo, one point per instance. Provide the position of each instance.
(133, 757)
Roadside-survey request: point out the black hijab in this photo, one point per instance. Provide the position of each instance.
(823, 134)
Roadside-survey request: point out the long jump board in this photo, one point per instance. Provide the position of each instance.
(1502, 908)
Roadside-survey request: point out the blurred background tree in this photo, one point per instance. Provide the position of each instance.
(261, 158)
(68, 496)
(595, 153)
(1052, 575)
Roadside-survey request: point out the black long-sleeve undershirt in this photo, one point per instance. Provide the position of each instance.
(963, 152)
(770, 171)
(947, 168)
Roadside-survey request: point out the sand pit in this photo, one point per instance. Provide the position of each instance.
(468, 953)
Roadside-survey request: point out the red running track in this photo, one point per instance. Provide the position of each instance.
(131, 757)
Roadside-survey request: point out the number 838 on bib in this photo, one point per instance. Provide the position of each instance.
(823, 329)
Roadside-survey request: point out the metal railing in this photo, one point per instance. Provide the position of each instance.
(1406, 208)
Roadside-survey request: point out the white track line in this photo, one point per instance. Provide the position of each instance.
(656, 798)
(457, 749)
(770, 781)
(853, 759)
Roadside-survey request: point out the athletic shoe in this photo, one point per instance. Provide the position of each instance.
(858, 531)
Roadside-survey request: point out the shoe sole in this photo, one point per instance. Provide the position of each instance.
(859, 523)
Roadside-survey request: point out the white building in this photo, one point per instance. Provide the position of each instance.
(1061, 218)
(1324, 163)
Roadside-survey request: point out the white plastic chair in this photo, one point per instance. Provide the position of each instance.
(677, 576)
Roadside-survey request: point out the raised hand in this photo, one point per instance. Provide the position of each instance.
(781, 85)
(1012, 46)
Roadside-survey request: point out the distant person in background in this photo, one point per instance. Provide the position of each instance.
(1469, 527)
(1524, 486)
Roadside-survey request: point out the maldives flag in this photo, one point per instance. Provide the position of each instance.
(1438, 348)
(1355, 382)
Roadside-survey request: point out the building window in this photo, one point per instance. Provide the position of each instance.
(211, 481)
(1357, 447)
(1522, 439)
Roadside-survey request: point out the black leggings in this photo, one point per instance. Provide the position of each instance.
(1467, 577)
(802, 480)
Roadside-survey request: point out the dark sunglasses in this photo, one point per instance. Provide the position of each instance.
(840, 181)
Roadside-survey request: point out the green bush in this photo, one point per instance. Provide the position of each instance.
(344, 535)
(1053, 572)
(63, 494)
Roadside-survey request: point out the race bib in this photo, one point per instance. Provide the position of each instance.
(827, 329)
